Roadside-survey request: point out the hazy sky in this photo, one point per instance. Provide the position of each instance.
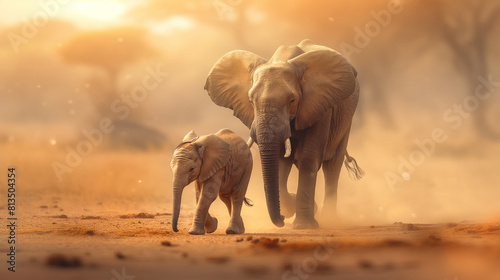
(85, 13)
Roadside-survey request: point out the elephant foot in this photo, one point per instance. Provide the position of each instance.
(232, 230)
(329, 212)
(288, 206)
(195, 231)
(236, 227)
(305, 224)
(212, 225)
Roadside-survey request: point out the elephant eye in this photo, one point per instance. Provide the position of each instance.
(191, 169)
(292, 100)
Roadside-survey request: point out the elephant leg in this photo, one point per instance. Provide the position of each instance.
(227, 200)
(287, 200)
(210, 222)
(202, 219)
(305, 200)
(331, 170)
(310, 157)
(236, 225)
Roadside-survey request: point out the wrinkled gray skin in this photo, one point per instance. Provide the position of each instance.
(221, 164)
(306, 93)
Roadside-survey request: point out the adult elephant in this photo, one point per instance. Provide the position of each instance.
(299, 107)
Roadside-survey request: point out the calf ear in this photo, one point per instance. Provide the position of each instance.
(215, 154)
(190, 137)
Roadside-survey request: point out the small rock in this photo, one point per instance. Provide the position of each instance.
(267, 242)
(166, 243)
(119, 255)
(59, 216)
(63, 261)
(434, 238)
(270, 243)
(366, 264)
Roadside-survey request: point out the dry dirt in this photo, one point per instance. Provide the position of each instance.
(110, 219)
(58, 238)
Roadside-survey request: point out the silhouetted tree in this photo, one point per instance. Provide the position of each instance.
(466, 27)
(111, 50)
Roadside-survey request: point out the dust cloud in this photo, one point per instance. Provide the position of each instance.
(92, 108)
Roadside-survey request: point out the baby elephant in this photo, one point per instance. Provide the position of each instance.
(221, 163)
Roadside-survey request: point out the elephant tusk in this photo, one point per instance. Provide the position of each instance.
(250, 142)
(288, 148)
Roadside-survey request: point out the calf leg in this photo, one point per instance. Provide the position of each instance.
(202, 219)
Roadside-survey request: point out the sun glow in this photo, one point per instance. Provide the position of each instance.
(172, 24)
(92, 12)
(100, 10)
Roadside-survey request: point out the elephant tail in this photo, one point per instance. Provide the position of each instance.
(248, 202)
(352, 166)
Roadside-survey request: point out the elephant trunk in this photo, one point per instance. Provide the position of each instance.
(177, 191)
(269, 154)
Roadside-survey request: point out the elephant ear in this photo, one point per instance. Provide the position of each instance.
(327, 79)
(190, 137)
(215, 154)
(230, 80)
(308, 46)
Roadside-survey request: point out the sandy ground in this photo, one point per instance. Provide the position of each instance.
(440, 224)
(59, 238)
